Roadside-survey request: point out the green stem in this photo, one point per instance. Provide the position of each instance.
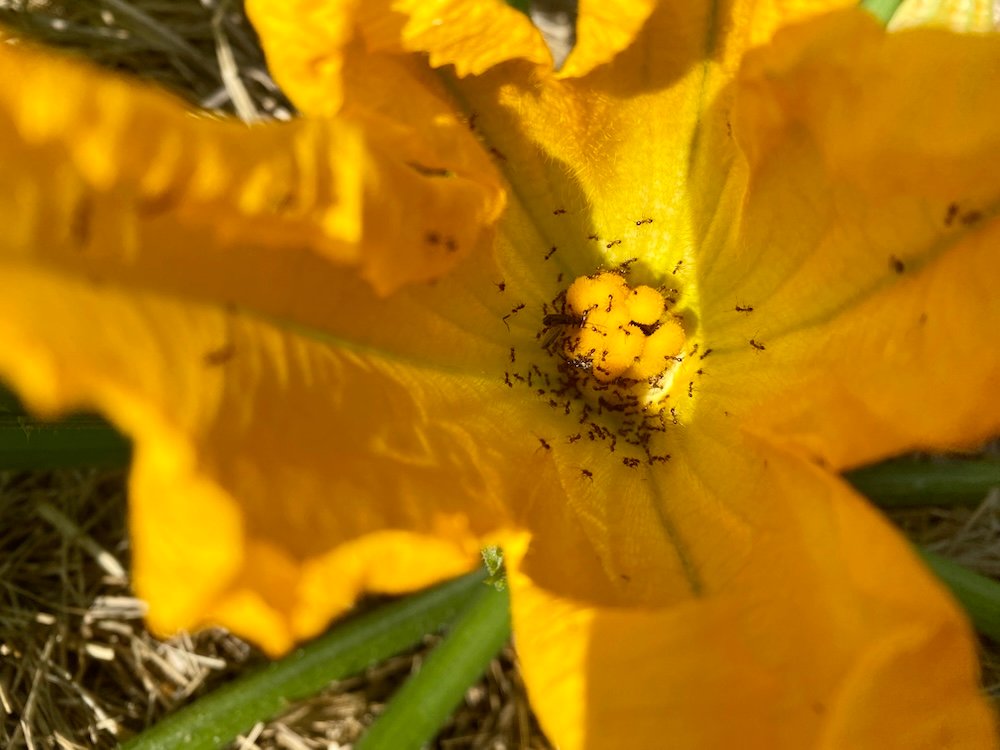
(883, 10)
(82, 440)
(215, 719)
(978, 595)
(522, 5)
(904, 483)
(423, 704)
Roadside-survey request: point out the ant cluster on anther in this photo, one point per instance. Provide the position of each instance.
(559, 331)
(614, 411)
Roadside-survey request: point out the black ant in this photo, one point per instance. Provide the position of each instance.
(563, 319)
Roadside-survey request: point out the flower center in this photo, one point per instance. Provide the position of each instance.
(612, 353)
(617, 333)
(616, 350)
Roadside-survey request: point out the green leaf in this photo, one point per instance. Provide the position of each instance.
(522, 5)
(423, 704)
(83, 440)
(9, 403)
(909, 483)
(883, 10)
(215, 719)
(978, 595)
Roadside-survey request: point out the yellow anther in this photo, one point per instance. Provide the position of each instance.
(588, 295)
(661, 346)
(645, 305)
(614, 319)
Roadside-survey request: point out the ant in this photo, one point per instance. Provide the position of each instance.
(563, 319)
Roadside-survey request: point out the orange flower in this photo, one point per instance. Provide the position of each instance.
(628, 320)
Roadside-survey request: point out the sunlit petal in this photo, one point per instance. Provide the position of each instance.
(875, 337)
(264, 460)
(304, 41)
(831, 636)
(99, 172)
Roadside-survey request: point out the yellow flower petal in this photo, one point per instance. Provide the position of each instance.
(92, 162)
(464, 33)
(634, 168)
(99, 170)
(420, 147)
(434, 196)
(122, 211)
(472, 35)
(266, 462)
(829, 635)
(603, 29)
(866, 244)
(304, 41)
(608, 165)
